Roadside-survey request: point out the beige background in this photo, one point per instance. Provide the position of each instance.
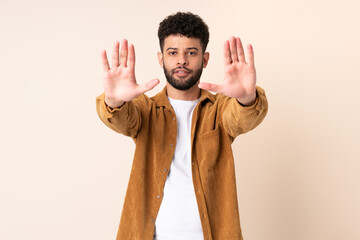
(63, 174)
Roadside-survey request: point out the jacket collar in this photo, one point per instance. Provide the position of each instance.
(161, 99)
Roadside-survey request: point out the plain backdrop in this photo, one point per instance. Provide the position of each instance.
(64, 174)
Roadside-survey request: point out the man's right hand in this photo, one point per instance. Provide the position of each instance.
(119, 80)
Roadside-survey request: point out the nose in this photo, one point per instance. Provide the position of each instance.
(182, 60)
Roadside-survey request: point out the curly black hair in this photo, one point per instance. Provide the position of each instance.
(186, 24)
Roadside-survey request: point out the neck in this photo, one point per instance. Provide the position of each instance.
(187, 95)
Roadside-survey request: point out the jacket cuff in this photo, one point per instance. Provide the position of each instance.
(107, 111)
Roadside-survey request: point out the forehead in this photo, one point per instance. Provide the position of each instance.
(179, 41)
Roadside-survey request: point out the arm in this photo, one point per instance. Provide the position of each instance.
(248, 105)
(125, 119)
(115, 107)
(238, 119)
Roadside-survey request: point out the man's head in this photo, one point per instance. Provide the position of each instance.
(183, 39)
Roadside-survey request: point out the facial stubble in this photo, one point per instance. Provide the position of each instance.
(180, 83)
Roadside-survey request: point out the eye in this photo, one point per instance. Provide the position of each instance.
(192, 53)
(172, 53)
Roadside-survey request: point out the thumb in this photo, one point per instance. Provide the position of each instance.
(148, 86)
(211, 87)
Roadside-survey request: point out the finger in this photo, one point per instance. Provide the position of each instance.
(250, 54)
(105, 61)
(240, 50)
(227, 57)
(115, 56)
(233, 50)
(147, 86)
(131, 57)
(124, 53)
(211, 87)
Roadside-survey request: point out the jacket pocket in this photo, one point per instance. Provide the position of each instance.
(210, 145)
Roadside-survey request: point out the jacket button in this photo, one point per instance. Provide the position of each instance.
(193, 163)
(158, 196)
(164, 170)
(171, 145)
(153, 219)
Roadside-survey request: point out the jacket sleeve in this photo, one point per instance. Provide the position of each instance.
(239, 119)
(125, 120)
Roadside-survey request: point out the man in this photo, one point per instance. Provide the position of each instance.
(182, 183)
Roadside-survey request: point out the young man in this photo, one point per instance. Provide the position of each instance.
(182, 183)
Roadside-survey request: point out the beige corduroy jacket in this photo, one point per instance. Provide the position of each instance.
(151, 123)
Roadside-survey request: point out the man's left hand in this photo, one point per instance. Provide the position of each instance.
(240, 74)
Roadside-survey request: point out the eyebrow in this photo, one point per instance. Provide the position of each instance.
(190, 48)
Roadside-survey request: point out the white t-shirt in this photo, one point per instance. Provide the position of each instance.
(178, 217)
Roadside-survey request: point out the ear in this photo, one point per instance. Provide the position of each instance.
(206, 56)
(160, 59)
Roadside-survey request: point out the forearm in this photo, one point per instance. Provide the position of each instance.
(238, 119)
(119, 119)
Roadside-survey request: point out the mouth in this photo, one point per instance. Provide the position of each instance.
(181, 72)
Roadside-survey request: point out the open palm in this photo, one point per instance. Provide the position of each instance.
(240, 75)
(119, 81)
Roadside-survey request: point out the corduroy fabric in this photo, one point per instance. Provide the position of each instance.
(151, 122)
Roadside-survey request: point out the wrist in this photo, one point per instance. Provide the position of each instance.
(245, 102)
(113, 104)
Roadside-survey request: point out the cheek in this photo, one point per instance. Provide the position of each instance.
(199, 64)
(169, 63)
